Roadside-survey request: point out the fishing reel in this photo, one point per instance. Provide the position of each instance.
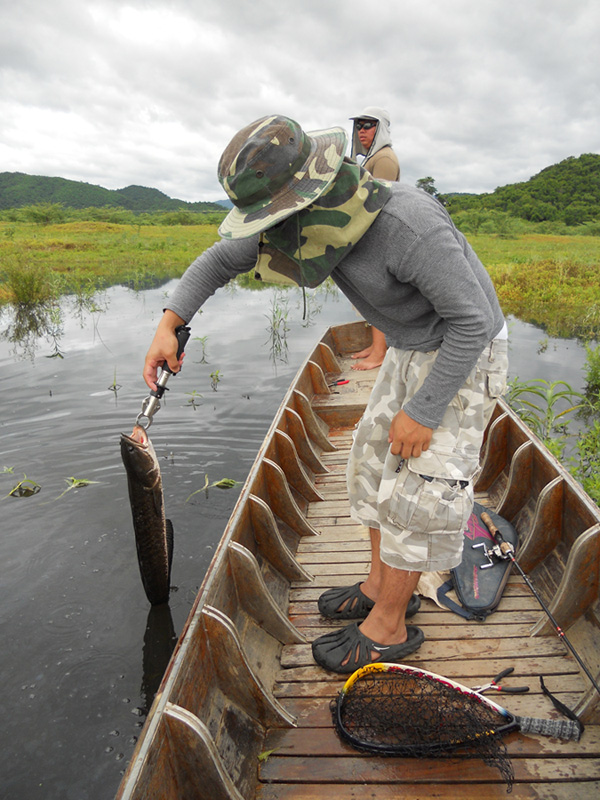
(499, 551)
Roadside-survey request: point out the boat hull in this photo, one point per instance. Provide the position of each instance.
(243, 710)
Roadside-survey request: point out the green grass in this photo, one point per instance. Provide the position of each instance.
(76, 254)
(532, 247)
(546, 279)
(549, 280)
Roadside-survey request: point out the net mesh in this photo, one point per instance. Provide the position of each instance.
(408, 714)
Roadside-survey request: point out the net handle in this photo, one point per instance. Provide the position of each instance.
(567, 729)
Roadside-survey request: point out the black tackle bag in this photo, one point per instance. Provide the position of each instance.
(479, 590)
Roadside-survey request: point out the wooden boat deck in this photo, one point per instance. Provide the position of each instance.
(243, 711)
(309, 761)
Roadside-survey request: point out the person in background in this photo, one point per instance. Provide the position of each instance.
(371, 139)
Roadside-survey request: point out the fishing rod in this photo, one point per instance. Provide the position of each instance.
(505, 550)
(151, 403)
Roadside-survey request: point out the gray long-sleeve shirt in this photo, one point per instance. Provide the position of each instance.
(413, 275)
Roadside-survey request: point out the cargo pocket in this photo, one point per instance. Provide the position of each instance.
(496, 384)
(425, 504)
(496, 369)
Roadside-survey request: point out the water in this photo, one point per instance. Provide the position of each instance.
(82, 651)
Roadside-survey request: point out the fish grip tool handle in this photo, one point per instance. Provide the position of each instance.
(151, 404)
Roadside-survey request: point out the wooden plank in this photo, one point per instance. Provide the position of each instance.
(354, 769)
(312, 626)
(322, 688)
(300, 654)
(411, 791)
(314, 712)
(309, 742)
(478, 669)
(303, 615)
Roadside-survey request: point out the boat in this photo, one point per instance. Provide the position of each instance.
(243, 712)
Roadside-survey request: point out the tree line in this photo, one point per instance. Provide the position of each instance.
(563, 199)
(568, 193)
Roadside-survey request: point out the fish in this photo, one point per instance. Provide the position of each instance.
(153, 532)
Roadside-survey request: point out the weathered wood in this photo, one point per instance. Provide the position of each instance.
(235, 676)
(494, 458)
(256, 598)
(569, 683)
(298, 655)
(587, 706)
(350, 338)
(312, 742)
(457, 771)
(272, 546)
(286, 455)
(325, 357)
(315, 427)
(579, 586)
(554, 667)
(294, 427)
(519, 483)
(544, 533)
(319, 381)
(196, 759)
(282, 501)
(585, 790)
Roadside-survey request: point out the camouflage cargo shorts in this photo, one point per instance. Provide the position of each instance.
(421, 505)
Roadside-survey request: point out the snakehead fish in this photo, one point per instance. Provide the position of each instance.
(153, 533)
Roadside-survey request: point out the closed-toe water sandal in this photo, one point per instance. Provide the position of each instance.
(356, 604)
(347, 649)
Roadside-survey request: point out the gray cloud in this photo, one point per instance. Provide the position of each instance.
(150, 92)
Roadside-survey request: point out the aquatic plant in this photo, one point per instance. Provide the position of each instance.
(114, 386)
(224, 483)
(24, 488)
(215, 378)
(194, 397)
(545, 407)
(278, 328)
(592, 373)
(553, 425)
(203, 340)
(25, 281)
(551, 395)
(75, 483)
(311, 309)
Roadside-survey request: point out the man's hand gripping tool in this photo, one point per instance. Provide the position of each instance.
(151, 404)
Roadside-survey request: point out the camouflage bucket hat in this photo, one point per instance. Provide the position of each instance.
(272, 168)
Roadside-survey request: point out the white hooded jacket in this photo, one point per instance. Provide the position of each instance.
(382, 139)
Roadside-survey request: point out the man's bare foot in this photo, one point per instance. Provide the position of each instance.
(382, 635)
(369, 363)
(363, 353)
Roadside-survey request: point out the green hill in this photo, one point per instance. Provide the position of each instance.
(567, 192)
(18, 189)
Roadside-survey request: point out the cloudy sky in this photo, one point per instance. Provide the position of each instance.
(481, 93)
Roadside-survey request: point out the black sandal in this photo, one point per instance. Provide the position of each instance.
(357, 605)
(353, 647)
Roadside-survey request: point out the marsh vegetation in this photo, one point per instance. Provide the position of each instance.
(548, 279)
